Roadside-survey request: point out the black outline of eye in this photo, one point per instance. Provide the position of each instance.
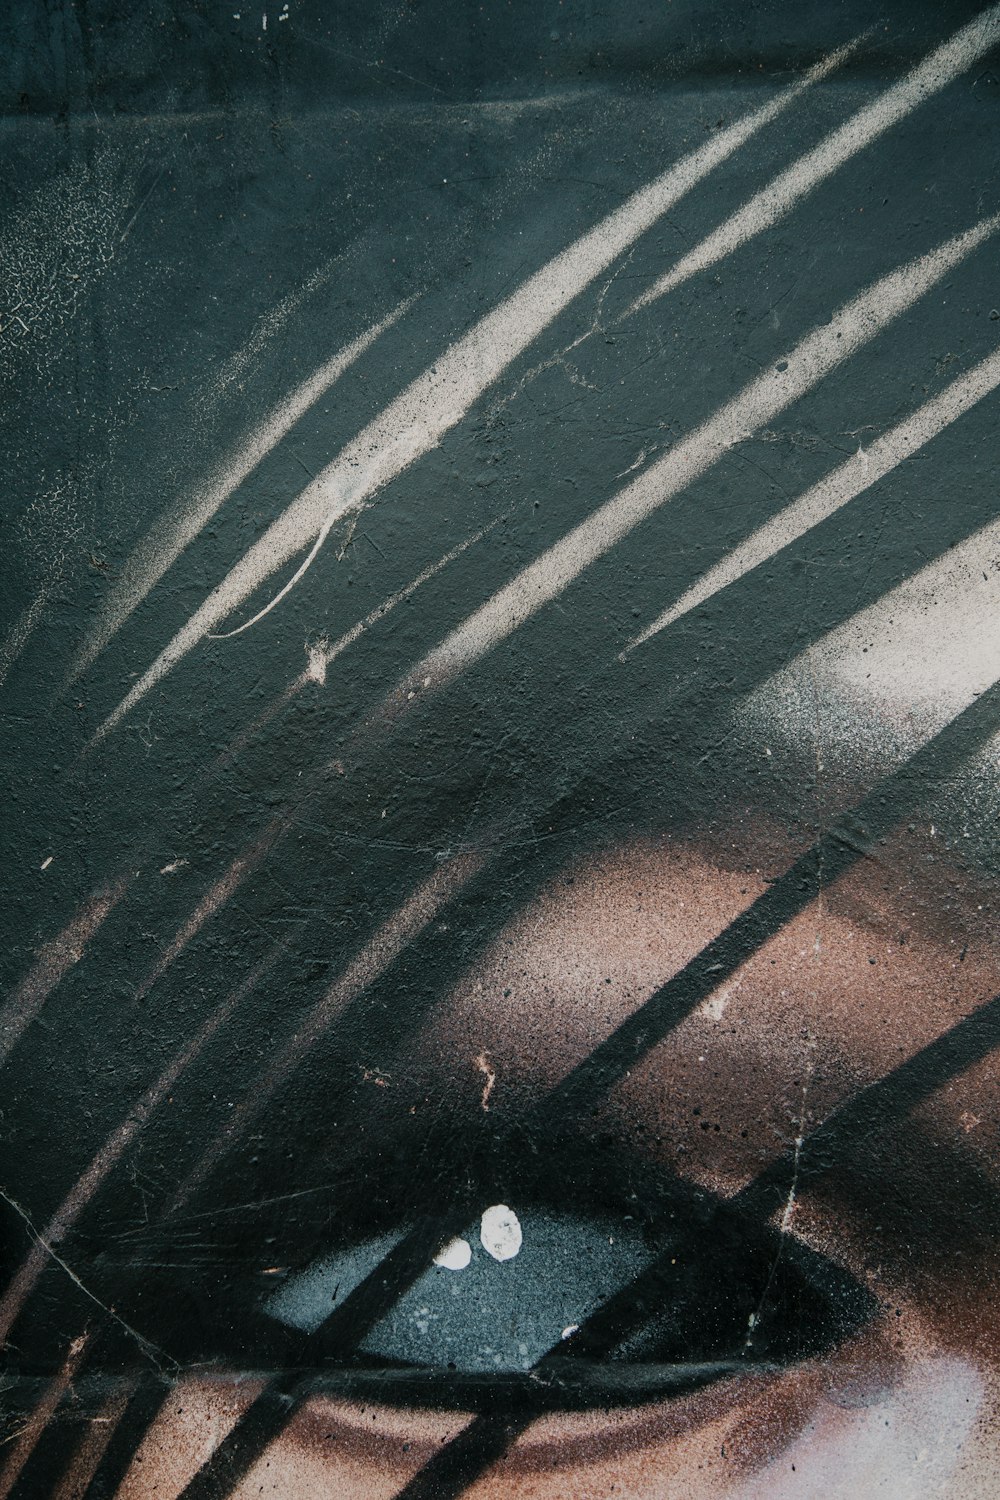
(715, 1271)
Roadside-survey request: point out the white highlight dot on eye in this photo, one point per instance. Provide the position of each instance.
(500, 1232)
(454, 1256)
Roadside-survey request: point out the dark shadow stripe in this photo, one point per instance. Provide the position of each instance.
(381, 1289)
(58, 1444)
(143, 1407)
(244, 1444)
(491, 1435)
(828, 1147)
(346, 1326)
(54, 1450)
(459, 1463)
(833, 854)
(833, 1142)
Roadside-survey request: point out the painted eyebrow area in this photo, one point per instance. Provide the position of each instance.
(862, 977)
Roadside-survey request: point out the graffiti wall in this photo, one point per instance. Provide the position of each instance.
(501, 736)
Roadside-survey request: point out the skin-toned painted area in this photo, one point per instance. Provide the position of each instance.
(501, 700)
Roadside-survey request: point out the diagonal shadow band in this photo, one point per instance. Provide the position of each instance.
(852, 837)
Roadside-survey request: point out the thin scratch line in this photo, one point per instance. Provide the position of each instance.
(148, 1348)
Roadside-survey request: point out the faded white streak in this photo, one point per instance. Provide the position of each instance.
(321, 655)
(23, 1282)
(439, 398)
(25, 1442)
(379, 952)
(268, 327)
(215, 897)
(160, 549)
(311, 674)
(54, 960)
(859, 321)
(942, 67)
(848, 480)
(876, 688)
(21, 631)
(90, 1449)
(56, 957)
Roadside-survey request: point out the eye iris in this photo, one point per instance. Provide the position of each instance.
(519, 1289)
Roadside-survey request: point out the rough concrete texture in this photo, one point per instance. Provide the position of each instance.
(498, 686)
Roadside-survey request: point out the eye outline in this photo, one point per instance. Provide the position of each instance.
(680, 1219)
(505, 1411)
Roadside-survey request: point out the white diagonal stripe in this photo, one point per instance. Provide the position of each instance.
(848, 480)
(165, 542)
(942, 67)
(859, 321)
(439, 398)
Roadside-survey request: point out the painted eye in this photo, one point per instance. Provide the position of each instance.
(563, 1309)
(495, 1299)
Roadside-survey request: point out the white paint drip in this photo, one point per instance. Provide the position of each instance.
(162, 546)
(483, 1066)
(942, 67)
(847, 481)
(454, 1256)
(316, 670)
(859, 321)
(500, 1232)
(439, 398)
(715, 1006)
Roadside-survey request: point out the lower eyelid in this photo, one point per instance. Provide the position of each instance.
(728, 1435)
